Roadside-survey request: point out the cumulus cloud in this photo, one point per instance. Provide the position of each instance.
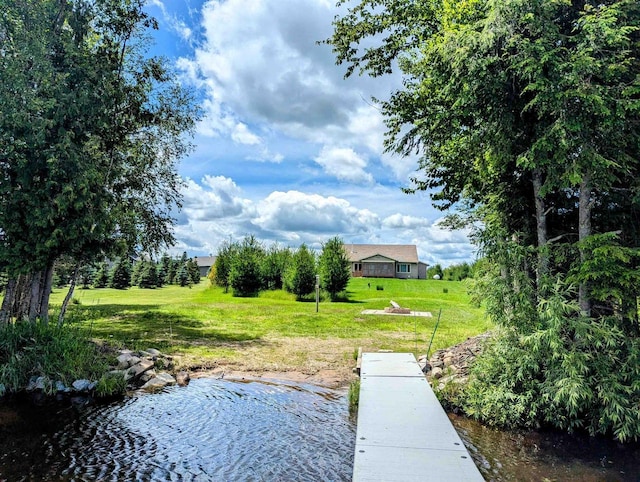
(345, 164)
(260, 66)
(405, 222)
(311, 213)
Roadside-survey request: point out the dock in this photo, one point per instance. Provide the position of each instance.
(403, 432)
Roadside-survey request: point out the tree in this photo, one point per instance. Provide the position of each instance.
(300, 277)
(90, 132)
(525, 116)
(101, 279)
(274, 266)
(182, 276)
(136, 271)
(120, 277)
(163, 270)
(245, 275)
(148, 277)
(223, 263)
(334, 267)
(194, 271)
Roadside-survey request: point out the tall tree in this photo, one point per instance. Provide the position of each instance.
(300, 277)
(90, 132)
(525, 114)
(334, 267)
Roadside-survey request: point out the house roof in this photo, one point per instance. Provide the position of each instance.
(205, 261)
(405, 253)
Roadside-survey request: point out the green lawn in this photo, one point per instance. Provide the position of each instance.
(207, 327)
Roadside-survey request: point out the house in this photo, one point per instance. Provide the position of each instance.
(205, 263)
(385, 261)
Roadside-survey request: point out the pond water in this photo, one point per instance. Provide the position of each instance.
(255, 430)
(547, 456)
(211, 430)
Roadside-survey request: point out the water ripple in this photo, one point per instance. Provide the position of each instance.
(211, 430)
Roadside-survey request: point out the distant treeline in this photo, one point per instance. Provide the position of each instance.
(124, 273)
(455, 272)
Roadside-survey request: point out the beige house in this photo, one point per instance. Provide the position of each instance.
(204, 264)
(385, 261)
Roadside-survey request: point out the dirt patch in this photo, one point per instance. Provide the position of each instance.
(325, 362)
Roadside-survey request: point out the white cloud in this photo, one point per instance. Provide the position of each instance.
(260, 66)
(345, 164)
(311, 213)
(406, 222)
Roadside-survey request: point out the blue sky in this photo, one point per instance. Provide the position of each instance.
(288, 149)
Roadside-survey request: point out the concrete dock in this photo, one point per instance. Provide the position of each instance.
(403, 432)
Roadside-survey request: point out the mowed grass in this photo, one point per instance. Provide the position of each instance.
(208, 328)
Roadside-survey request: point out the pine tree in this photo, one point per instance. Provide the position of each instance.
(300, 277)
(193, 270)
(182, 276)
(334, 267)
(101, 279)
(121, 274)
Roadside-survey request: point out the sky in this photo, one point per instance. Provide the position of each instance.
(288, 149)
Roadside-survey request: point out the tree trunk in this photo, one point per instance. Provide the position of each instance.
(45, 294)
(67, 298)
(541, 229)
(7, 303)
(27, 297)
(585, 205)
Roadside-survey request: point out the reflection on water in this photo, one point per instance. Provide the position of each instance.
(539, 456)
(210, 430)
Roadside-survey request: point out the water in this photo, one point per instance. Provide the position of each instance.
(220, 430)
(210, 430)
(547, 456)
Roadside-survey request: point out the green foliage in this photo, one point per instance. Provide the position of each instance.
(245, 276)
(435, 270)
(148, 277)
(224, 260)
(110, 384)
(354, 397)
(456, 272)
(60, 354)
(551, 365)
(90, 132)
(101, 279)
(274, 266)
(182, 276)
(120, 277)
(300, 277)
(334, 267)
(193, 270)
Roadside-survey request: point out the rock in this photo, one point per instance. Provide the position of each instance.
(154, 352)
(82, 385)
(436, 372)
(159, 381)
(183, 378)
(38, 383)
(61, 387)
(148, 375)
(125, 360)
(139, 368)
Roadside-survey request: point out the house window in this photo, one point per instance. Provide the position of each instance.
(357, 266)
(403, 268)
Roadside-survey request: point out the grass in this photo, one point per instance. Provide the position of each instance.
(208, 328)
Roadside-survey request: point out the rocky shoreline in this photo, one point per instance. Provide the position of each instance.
(451, 365)
(148, 370)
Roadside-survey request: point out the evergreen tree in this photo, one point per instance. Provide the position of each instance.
(94, 127)
(334, 267)
(193, 270)
(148, 277)
(85, 275)
(163, 270)
(300, 277)
(136, 271)
(101, 279)
(224, 260)
(274, 266)
(182, 276)
(245, 276)
(172, 271)
(120, 277)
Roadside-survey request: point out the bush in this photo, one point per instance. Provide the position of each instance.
(379, 287)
